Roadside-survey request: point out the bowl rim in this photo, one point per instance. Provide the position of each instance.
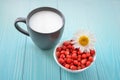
(69, 70)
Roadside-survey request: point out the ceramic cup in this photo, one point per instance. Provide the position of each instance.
(42, 40)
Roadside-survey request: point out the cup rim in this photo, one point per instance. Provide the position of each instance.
(73, 71)
(45, 9)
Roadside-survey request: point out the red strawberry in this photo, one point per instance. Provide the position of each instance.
(58, 54)
(79, 67)
(62, 52)
(66, 43)
(82, 66)
(90, 59)
(67, 66)
(62, 56)
(87, 54)
(61, 61)
(59, 49)
(74, 56)
(83, 56)
(68, 60)
(67, 52)
(92, 52)
(88, 63)
(72, 67)
(83, 61)
(75, 62)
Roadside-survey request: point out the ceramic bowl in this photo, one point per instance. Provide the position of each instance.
(69, 70)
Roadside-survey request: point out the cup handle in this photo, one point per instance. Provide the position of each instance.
(18, 27)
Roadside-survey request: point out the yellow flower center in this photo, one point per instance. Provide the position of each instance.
(83, 40)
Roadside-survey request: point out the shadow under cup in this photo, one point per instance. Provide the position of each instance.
(42, 40)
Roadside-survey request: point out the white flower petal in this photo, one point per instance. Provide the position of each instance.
(76, 45)
(81, 49)
(74, 41)
(90, 36)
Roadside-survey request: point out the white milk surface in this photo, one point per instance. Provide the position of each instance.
(45, 22)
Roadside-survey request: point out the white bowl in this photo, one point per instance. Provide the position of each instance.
(69, 70)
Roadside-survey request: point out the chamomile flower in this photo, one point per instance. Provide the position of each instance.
(84, 40)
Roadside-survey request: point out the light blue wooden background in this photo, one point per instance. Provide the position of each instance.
(20, 59)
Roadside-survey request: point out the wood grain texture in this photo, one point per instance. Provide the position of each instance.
(39, 64)
(20, 59)
(12, 43)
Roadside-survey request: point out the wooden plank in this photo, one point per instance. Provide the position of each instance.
(12, 43)
(103, 19)
(39, 64)
(20, 59)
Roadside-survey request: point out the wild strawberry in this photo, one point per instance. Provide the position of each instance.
(84, 56)
(62, 52)
(59, 49)
(64, 47)
(74, 56)
(90, 59)
(66, 43)
(79, 59)
(67, 66)
(75, 62)
(87, 54)
(72, 47)
(74, 52)
(61, 61)
(88, 63)
(58, 54)
(68, 60)
(68, 56)
(62, 56)
(72, 67)
(79, 67)
(69, 46)
(79, 63)
(78, 52)
(92, 52)
(83, 61)
(82, 66)
(71, 63)
(67, 52)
